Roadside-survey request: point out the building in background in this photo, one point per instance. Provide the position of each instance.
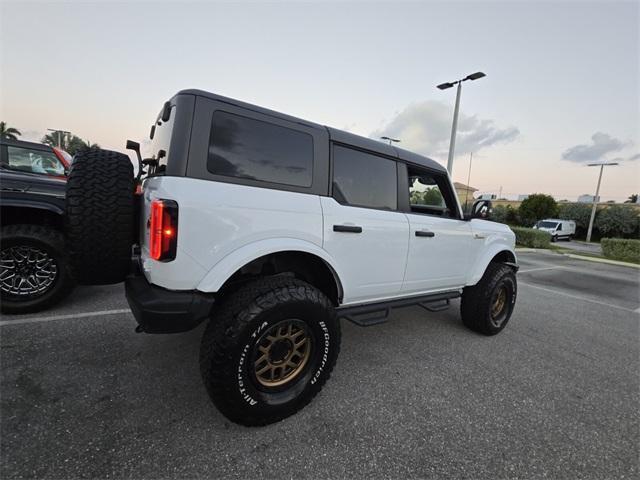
(464, 192)
(487, 196)
(587, 198)
(522, 197)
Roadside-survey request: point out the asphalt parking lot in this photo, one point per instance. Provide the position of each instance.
(556, 394)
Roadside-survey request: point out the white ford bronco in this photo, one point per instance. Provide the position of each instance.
(272, 228)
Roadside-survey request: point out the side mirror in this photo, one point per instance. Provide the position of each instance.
(481, 209)
(166, 112)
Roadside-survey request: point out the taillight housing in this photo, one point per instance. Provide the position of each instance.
(163, 230)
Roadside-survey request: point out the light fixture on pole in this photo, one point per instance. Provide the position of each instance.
(454, 127)
(59, 132)
(596, 197)
(390, 140)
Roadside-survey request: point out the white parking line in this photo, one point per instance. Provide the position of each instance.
(539, 269)
(5, 323)
(576, 297)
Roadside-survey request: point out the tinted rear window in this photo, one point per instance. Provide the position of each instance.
(364, 180)
(161, 141)
(243, 147)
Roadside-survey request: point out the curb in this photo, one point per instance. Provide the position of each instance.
(529, 249)
(602, 260)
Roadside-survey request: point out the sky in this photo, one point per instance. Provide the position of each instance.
(562, 86)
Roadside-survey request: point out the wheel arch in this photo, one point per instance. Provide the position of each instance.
(305, 261)
(29, 212)
(498, 254)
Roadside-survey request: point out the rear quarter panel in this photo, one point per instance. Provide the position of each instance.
(216, 219)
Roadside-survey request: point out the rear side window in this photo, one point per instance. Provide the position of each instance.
(243, 147)
(364, 180)
(34, 161)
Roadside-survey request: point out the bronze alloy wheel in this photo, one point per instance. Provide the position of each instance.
(499, 306)
(282, 353)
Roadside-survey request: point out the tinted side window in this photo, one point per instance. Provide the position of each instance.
(364, 180)
(430, 193)
(34, 161)
(247, 148)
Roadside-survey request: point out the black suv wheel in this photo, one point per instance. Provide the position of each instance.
(269, 349)
(34, 271)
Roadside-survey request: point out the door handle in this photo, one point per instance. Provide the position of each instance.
(479, 236)
(347, 228)
(424, 233)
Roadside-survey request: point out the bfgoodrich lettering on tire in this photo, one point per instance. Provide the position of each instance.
(487, 306)
(269, 349)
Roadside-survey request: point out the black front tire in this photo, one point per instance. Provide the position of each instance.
(100, 216)
(231, 343)
(478, 301)
(33, 243)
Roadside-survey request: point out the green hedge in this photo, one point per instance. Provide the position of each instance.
(529, 237)
(622, 249)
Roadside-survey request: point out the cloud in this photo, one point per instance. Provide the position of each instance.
(634, 157)
(601, 145)
(425, 128)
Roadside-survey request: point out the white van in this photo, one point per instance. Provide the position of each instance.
(557, 228)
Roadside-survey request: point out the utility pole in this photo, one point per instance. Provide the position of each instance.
(595, 198)
(466, 196)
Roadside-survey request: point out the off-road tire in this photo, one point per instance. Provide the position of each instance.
(100, 216)
(51, 242)
(226, 359)
(477, 301)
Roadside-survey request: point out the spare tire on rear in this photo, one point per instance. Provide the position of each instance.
(100, 216)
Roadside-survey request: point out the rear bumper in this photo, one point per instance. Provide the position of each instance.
(158, 310)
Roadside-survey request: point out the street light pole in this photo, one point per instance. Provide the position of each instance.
(595, 198)
(390, 140)
(59, 132)
(454, 127)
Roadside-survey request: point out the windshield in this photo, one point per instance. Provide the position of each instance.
(545, 224)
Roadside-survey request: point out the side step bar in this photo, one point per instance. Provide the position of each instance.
(375, 313)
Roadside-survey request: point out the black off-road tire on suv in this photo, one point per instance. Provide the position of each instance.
(265, 329)
(100, 216)
(34, 268)
(487, 306)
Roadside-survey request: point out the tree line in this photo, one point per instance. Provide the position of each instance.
(69, 142)
(613, 220)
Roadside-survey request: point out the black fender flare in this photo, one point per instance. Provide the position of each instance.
(38, 204)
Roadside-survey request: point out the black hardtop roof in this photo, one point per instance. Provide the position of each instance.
(335, 134)
(25, 144)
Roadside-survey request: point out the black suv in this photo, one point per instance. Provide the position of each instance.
(34, 272)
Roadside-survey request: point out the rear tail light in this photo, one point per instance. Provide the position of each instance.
(163, 230)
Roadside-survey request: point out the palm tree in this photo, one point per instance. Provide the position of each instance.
(9, 133)
(633, 198)
(70, 142)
